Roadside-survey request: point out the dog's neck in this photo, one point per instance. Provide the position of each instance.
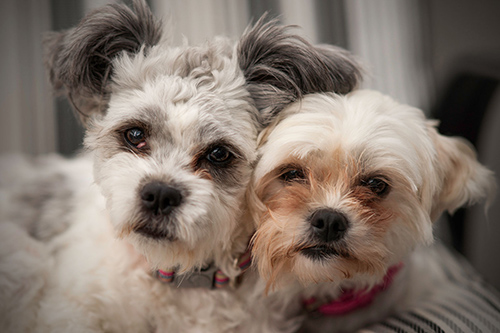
(225, 268)
(351, 300)
(209, 276)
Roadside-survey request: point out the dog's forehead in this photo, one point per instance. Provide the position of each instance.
(213, 61)
(366, 126)
(186, 91)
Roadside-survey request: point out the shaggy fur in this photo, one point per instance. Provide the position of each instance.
(384, 168)
(184, 119)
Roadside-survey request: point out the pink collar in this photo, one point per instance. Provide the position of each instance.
(351, 300)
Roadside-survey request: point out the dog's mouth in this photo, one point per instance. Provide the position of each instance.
(153, 232)
(323, 252)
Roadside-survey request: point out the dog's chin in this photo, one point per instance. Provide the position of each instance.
(323, 252)
(153, 233)
(155, 227)
(319, 252)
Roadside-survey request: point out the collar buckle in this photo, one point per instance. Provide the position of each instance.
(202, 278)
(208, 277)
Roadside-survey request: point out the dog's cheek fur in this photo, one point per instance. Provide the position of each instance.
(279, 231)
(229, 179)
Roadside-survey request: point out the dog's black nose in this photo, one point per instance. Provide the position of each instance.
(160, 198)
(329, 225)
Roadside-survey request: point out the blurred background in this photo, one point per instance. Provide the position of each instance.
(440, 55)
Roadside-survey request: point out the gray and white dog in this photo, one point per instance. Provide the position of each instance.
(171, 138)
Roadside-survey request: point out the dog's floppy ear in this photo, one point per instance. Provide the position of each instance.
(280, 67)
(464, 179)
(79, 60)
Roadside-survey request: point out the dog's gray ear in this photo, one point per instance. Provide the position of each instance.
(280, 67)
(79, 60)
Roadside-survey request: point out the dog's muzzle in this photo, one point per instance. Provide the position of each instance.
(158, 201)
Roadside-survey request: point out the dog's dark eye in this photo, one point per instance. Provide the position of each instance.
(136, 137)
(291, 175)
(219, 155)
(377, 186)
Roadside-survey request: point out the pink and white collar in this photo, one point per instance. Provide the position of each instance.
(351, 300)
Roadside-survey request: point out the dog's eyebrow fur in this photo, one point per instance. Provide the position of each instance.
(280, 67)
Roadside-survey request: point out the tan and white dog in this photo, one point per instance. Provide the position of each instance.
(344, 197)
